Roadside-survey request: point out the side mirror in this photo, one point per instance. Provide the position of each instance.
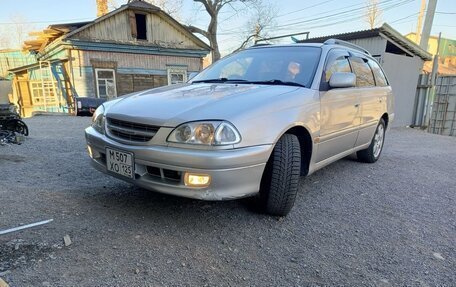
(342, 80)
(192, 75)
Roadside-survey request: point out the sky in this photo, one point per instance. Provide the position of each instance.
(319, 17)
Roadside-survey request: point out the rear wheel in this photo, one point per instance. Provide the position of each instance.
(17, 126)
(372, 153)
(280, 181)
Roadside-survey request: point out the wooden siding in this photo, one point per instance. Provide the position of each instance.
(117, 28)
(114, 28)
(129, 83)
(137, 61)
(161, 33)
(134, 72)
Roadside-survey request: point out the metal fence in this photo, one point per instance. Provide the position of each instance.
(443, 114)
(421, 104)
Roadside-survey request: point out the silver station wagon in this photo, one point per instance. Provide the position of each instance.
(249, 125)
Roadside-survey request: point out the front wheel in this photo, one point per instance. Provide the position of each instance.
(372, 153)
(280, 181)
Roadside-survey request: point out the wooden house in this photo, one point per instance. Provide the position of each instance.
(135, 47)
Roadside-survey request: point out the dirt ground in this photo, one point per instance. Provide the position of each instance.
(385, 224)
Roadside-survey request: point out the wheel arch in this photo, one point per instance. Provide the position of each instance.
(306, 145)
(385, 118)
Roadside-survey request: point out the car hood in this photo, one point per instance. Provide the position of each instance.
(172, 105)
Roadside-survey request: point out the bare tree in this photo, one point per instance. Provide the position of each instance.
(213, 8)
(262, 20)
(5, 40)
(373, 13)
(172, 7)
(14, 33)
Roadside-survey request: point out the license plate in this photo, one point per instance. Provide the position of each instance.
(120, 162)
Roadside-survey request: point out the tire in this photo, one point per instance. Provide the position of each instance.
(279, 184)
(17, 126)
(373, 152)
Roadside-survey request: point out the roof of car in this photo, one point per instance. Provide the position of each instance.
(287, 45)
(318, 45)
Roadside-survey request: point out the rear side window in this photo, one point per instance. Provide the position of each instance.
(380, 78)
(364, 76)
(339, 65)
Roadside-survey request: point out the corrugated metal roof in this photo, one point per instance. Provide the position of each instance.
(385, 31)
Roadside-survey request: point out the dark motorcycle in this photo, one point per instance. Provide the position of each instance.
(12, 129)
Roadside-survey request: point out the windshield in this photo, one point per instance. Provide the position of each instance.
(271, 65)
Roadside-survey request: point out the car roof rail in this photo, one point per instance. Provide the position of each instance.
(261, 44)
(347, 44)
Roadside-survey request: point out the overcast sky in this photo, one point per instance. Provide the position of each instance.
(319, 17)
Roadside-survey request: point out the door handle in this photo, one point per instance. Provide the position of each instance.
(356, 105)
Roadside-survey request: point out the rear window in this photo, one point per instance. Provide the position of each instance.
(380, 78)
(364, 76)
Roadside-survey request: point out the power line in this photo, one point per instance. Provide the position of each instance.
(347, 13)
(305, 8)
(344, 10)
(345, 20)
(446, 13)
(406, 17)
(236, 30)
(451, 26)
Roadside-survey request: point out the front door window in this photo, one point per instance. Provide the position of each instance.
(106, 83)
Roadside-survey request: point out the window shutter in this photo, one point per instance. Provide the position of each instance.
(134, 31)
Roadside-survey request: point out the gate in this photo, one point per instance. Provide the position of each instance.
(443, 115)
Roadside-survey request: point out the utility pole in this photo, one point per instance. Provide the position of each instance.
(428, 24)
(420, 22)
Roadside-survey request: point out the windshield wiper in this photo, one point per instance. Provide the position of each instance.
(277, 82)
(268, 82)
(219, 80)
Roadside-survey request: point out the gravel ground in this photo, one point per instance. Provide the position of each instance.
(387, 224)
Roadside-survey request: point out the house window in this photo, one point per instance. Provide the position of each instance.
(43, 93)
(106, 83)
(177, 76)
(141, 29)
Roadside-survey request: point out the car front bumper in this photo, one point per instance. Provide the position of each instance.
(234, 173)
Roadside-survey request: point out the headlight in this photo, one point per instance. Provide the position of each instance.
(98, 119)
(205, 133)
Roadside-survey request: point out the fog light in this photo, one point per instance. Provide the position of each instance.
(89, 149)
(197, 180)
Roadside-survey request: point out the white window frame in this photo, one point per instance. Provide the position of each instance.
(177, 70)
(47, 90)
(114, 78)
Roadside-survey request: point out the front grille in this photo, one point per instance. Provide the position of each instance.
(172, 174)
(134, 132)
(166, 174)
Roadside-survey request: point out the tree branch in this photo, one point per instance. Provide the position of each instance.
(246, 41)
(208, 6)
(194, 29)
